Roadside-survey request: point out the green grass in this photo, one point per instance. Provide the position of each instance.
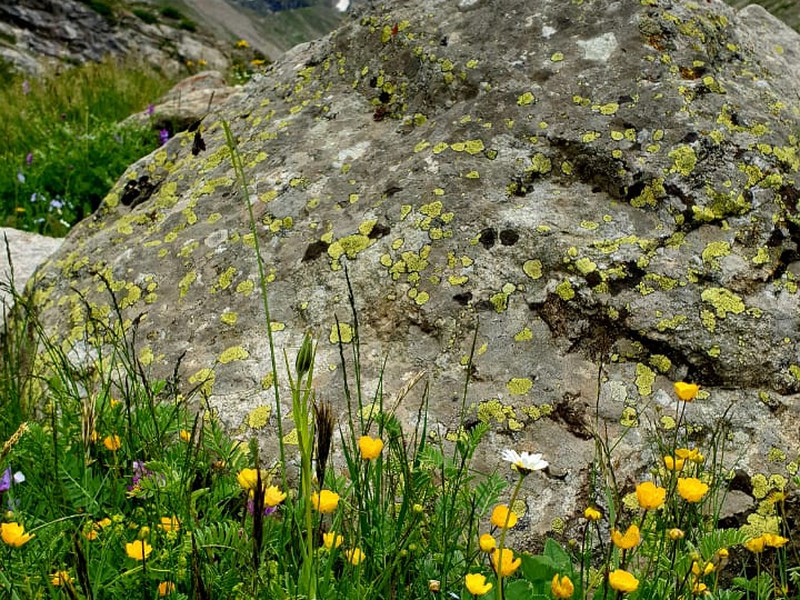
(62, 146)
(133, 488)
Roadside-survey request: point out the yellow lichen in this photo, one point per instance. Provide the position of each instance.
(343, 333)
(724, 301)
(645, 377)
(519, 386)
(232, 354)
(565, 291)
(259, 417)
(524, 335)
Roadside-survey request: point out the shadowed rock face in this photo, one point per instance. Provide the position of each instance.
(587, 182)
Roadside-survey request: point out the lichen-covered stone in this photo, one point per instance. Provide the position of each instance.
(633, 200)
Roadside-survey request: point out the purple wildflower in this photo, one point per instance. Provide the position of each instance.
(251, 508)
(29, 158)
(163, 135)
(56, 204)
(6, 479)
(151, 109)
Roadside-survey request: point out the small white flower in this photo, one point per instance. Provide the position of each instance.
(526, 462)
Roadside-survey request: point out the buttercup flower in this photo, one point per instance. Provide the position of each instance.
(692, 454)
(138, 550)
(504, 563)
(503, 517)
(170, 523)
(112, 442)
(755, 545)
(370, 447)
(165, 588)
(273, 496)
(332, 540)
(354, 556)
(650, 496)
(242, 44)
(14, 534)
(477, 584)
(248, 479)
(60, 578)
(686, 391)
(185, 435)
(524, 463)
(325, 502)
(592, 514)
(627, 541)
(487, 542)
(675, 534)
(699, 588)
(673, 464)
(699, 571)
(774, 541)
(563, 587)
(691, 489)
(622, 581)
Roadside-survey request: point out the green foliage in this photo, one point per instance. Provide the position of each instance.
(63, 146)
(145, 15)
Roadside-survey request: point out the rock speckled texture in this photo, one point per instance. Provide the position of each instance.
(585, 181)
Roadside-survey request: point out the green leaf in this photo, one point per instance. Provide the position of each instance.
(538, 568)
(519, 589)
(558, 555)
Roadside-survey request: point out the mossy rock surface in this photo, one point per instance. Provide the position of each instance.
(585, 181)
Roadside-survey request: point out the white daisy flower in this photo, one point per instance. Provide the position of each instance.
(524, 463)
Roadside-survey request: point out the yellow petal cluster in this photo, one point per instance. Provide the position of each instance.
(138, 550)
(325, 502)
(14, 534)
(650, 496)
(60, 578)
(165, 588)
(477, 584)
(273, 496)
(112, 442)
(592, 514)
(686, 391)
(504, 562)
(622, 581)
(691, 489)
(562, 587)
(487, 542)
(503, 517)
(332, 540)
(627, 540)
(370, 447)
(354, 556)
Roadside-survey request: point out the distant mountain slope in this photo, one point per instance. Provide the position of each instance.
(786, 10)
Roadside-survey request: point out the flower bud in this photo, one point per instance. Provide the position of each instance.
(305, 357)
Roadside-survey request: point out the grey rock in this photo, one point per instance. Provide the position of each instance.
(26, 251)
(607, 192)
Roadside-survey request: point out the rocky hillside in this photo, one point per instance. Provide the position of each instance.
(786, 10)
(34, 32)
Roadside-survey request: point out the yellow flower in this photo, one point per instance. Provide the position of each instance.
(686, 391)
(170, 523)
(273, 496)
(775, 541)
(14, 534)
(165, 588)
(699, 587)
(755, 545)
(325, 502)
(691, 489)
(592, 514)
(503, 517)
(91, 534)
(138, 550)
(248, 479)
(699, 571)
(103, 523)
(673, 464)
(60, 578)
(242, 44)
(477, 584)
(504, 563)
(332, 540)
(690, 454)
(487, 542)
(650, 496)
(257, 62)
(675, 534)
(202, 62)
(434, 585)
(562, 588)
(627, 541)
(370, 447)
(354, 556)
(185, 435)
(622, 581)
(112, 442)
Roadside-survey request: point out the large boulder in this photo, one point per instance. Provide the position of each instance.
(606, 190)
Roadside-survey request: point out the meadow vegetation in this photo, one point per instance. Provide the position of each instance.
(116, 485)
